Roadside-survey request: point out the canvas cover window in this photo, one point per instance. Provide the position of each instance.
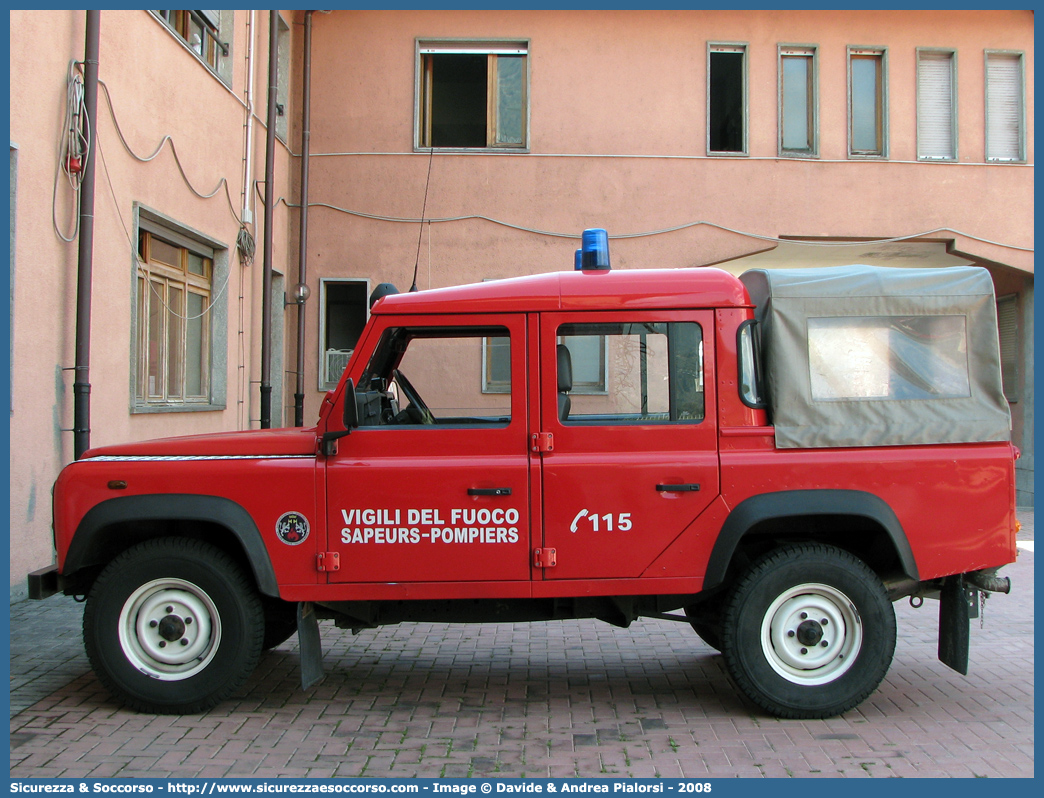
(888, 357)
(876, 356)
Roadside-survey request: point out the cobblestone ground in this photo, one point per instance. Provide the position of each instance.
(555, 699)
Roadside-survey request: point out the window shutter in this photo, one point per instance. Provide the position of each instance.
(1008, 327)
(212, 18)
(935, 136)
(1003, 107)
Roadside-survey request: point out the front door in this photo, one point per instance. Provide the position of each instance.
(434, 484)
(629, 400)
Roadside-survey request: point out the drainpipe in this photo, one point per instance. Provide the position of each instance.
(266, 298)
(301, 294)
(81, 379)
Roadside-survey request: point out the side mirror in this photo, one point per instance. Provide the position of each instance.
(328, 445)
(351, 408)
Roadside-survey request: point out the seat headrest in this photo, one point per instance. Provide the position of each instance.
(565, 368)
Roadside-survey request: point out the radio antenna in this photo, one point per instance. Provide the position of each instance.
(424, 208)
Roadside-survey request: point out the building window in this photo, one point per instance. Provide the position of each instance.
(867, 103)
(936, 105)
(1008, 327)
(797, 100)
(174, 289)
(343, 312)
(1005, 115)
(473, 95)
(201, 30)
(727, 98)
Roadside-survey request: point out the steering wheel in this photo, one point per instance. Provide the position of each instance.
(417, 412)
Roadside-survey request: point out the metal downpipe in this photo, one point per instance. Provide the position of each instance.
(266, 289)
(302, 291)
(85, 257)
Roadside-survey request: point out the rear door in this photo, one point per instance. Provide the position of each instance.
(628, 398)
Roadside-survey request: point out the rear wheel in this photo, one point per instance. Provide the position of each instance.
(808, 632)
(173, 626)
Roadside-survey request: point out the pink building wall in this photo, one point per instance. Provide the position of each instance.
(158, 88)
(617, 115)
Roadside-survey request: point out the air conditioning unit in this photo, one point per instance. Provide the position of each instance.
(336, 362)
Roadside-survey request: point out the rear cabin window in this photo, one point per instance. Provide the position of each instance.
(888, 357)
(634, 373)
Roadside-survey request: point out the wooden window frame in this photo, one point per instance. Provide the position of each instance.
(184, 23)
(155, 280)
(493, 50)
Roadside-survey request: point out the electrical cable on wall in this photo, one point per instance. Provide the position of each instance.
(222, 183)
(73, 148)
(646, 233)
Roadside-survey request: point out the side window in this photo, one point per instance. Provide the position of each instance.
(750, 379)
(654, 373)
(435, 377)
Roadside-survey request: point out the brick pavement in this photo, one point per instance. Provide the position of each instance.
(556, 699)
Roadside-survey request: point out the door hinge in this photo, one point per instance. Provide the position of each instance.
(544, 558)
(329, 561)
(543, 442)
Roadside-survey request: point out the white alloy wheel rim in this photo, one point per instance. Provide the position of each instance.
(169, 629)
(811, 634)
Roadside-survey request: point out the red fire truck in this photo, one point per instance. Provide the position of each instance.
(773, 459)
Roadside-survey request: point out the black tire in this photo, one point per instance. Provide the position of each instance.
(792, 664)
(173, 626)
(706, 620)
(280, 621)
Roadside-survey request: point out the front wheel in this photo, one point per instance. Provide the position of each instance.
(173, 626)
(808, 632)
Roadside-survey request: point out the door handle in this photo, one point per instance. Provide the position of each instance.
(689, 487)
(489, 491)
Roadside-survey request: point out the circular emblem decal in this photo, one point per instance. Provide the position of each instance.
(292, 528)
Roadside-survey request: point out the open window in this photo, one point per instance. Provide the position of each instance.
(429, 376)
(727, 98)
(343, 311)
(473, 95)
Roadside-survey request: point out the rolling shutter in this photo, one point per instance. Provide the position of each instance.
(935, 107)
(1003, 107)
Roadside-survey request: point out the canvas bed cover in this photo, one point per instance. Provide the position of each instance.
(876, 356)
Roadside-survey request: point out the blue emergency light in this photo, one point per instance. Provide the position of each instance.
(595, 250)
(578, 260)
